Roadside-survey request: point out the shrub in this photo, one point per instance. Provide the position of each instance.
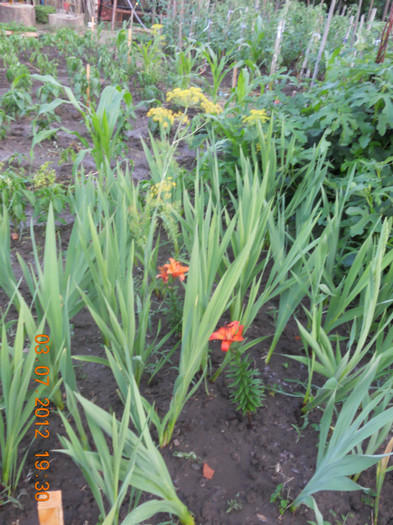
(42, 13)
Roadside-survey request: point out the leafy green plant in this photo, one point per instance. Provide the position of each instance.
(47, 191)
(280, 499)
(104, 124)
(13, 194)
(247, 389)
(234, 504)
(42, 13)
(16, 372)
(5, 120)
(134, 461)
(53, 286)
(339, 454)
(17, 101)
(217, 67)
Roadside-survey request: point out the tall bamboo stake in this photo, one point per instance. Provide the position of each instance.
(324, 39)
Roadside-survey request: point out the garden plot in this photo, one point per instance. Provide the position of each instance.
(197, 323)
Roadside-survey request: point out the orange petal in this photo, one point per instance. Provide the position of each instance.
(208, 472)
(225, 346)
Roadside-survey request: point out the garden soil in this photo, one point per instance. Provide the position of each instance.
(249, 461)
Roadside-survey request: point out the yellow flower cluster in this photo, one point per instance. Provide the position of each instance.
(156, 29)
(44, 176)
(256, 115)
(167, 117)
(193, 97)
(163, 189)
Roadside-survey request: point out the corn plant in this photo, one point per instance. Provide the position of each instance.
(17, 401)
(134, 461)
(103, 124)
(217, 67)
(338, 456)
(185, 61)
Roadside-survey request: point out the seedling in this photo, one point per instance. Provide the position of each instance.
(234, 504)
(279, 498)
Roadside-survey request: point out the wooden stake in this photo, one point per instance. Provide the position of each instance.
(88, 84)
(314, 38)
(174, 13)
(386, 9)
(114, 14)
(50, 512)
(372, 17)
(370, 10)
(234, 77)
(92, 25)
(324, 38)
(129, 41)
(277, 45)
(181, 23)
(357, 22)
(349, 29)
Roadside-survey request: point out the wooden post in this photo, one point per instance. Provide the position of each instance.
(114, 14)
(314, 38)
(129, 40)
(234, 77)
(385, 11)
(92, 25)
(324, 38)
(369, 10)
(50, 512)
(181, 23)
(346, 38)
(277, 45)
(88, 84)
(357, 21)
(372, 17)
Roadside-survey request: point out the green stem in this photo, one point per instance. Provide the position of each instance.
(227, 359)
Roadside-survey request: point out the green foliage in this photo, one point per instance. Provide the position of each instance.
(247, 389)
(280, 499)
(42, 13)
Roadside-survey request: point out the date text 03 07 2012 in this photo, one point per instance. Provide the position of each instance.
(42, 421)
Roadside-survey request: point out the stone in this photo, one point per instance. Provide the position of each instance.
(20, 13)
(66, 20)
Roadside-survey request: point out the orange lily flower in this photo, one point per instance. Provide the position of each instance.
(173, 268)
(228, 334)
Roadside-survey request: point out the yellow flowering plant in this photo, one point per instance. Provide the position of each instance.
(256, 115)
(193, 97)
(164, 118)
